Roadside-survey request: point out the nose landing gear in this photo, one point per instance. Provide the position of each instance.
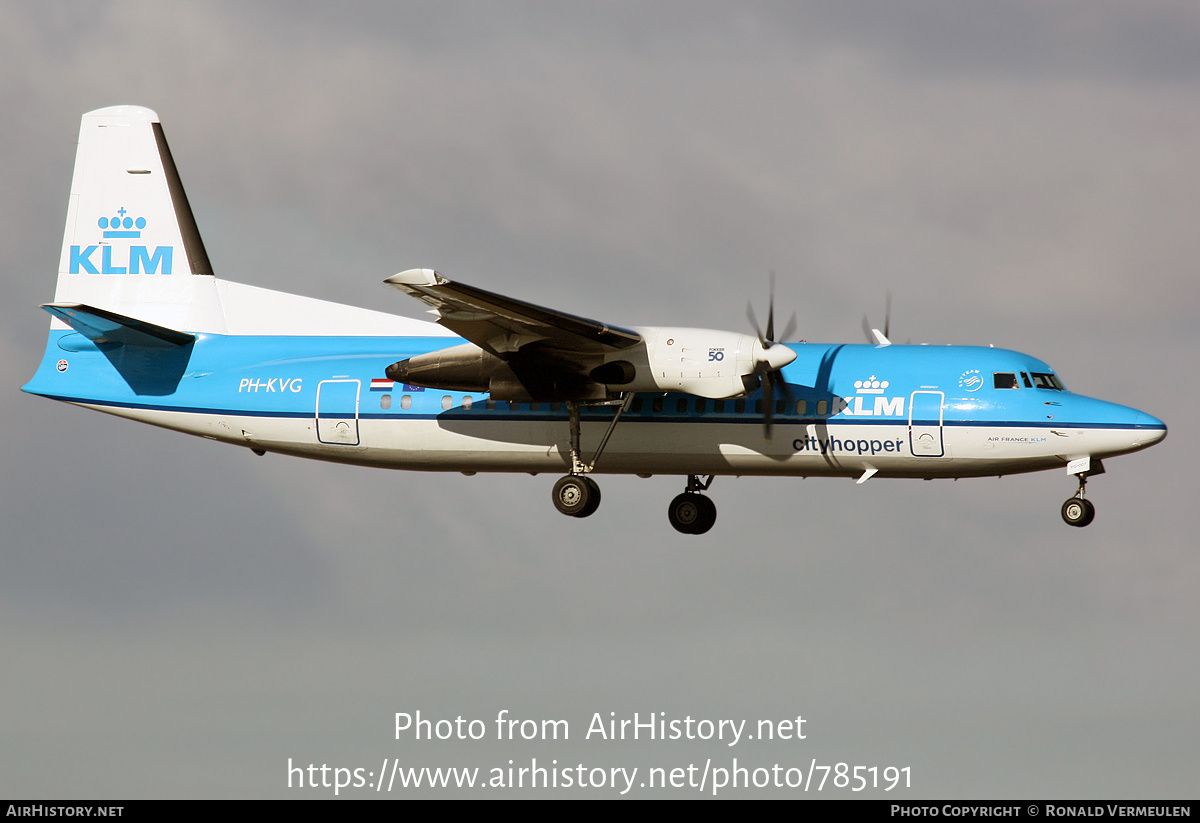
(1079, 511)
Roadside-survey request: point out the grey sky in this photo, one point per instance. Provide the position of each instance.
(178, 618)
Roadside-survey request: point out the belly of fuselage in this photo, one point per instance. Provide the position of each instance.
(796, 448)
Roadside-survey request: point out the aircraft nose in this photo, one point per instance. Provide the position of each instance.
(1151, 429)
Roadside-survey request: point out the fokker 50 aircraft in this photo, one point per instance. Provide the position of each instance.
(143, 329)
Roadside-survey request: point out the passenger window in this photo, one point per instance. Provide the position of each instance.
(447, 402)
(635, 406)
(758, 406)
(513, 405)
(719, 406)
(656, 405)
(489, 404)
(558, 406)
(385, 402)
(1005, 380)
(467, 403)
(406, 401)
(739, 406)
(822, 407)
(780, 406)
(801, 407)
(681, 405)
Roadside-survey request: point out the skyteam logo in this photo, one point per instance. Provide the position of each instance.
(971, 380)
(870, 401)
(139, 260)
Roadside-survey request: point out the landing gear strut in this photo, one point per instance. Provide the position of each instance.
(578, 495)
(692, 512)
(1078, 511)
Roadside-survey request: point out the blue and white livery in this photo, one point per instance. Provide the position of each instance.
(141, 328)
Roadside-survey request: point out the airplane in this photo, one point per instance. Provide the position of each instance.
(143, 329)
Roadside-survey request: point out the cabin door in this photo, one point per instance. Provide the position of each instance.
(925, 423)
(337, 412)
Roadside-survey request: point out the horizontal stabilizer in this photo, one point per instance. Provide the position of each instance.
(102, 326)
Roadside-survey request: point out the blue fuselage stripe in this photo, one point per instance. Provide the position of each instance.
(289, 377)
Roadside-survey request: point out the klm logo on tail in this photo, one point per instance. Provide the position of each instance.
(139, 261)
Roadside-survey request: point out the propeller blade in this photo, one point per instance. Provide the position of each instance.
(754, 322)
(771, 312)
(768, 396)
(874, 336)
(770, 357)
(789, 329)
(783, 387)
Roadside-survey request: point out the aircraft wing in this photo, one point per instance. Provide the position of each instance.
(502, 325)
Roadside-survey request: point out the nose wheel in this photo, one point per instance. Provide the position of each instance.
(1079, 511)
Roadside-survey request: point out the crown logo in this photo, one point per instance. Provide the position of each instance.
(870, 386)
(122, 226)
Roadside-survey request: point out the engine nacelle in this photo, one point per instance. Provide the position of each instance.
(524, 377)
(704, 362)
(465, 368)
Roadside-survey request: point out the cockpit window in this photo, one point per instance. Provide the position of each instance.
(1046, 380)
(1005, 380)
(1025, 380)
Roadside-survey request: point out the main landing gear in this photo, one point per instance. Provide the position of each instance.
(1078, 511)
(692, 512)
(578, 495)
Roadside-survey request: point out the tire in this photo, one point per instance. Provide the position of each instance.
(576, 496)
(593, 502)
(692, 513)
(1078, 512)
(708, 515)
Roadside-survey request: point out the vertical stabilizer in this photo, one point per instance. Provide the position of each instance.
(131, 243)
